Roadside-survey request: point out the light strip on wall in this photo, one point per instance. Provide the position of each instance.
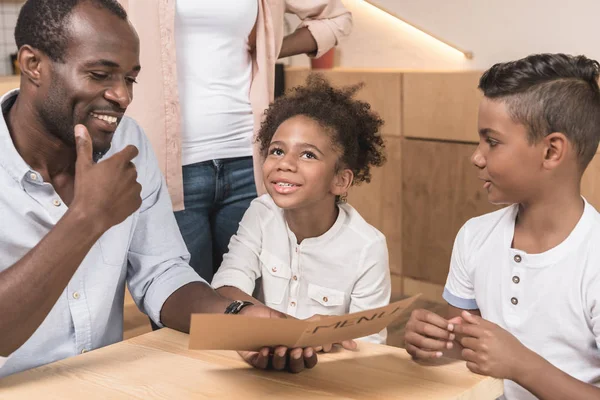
(466, 53)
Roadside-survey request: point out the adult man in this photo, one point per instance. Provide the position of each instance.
(73, 231)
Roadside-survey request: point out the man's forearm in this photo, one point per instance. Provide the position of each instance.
(195, 297)
(547, 382)
(299, 42)
(30, 288)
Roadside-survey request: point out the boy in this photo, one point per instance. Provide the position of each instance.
(528, 274)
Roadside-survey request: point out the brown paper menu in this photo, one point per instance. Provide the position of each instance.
(240, 332)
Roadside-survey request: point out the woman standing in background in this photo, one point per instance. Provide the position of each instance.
(208, 75)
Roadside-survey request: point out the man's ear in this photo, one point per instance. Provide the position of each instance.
(342, 182)
(30, 63)
(555, 149)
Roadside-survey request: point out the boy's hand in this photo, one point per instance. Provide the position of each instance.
(489, 349)
(326, 348)
(279, 358)
(427, 335)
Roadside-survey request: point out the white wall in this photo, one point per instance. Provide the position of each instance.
(494, 30)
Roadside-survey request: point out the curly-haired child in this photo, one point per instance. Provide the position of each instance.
(301, 249)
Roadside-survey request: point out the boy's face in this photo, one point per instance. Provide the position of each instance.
(508, 165)
(300, 168)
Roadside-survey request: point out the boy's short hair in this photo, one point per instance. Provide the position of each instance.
(551, 93)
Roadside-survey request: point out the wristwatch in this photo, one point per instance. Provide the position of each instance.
(237, 306)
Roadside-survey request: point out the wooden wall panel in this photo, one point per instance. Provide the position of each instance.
(590, 183)
(380, 201)
(440, 193)
(382, 90)
(441, 105)
(391, 203)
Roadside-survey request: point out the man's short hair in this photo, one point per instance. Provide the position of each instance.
(551, 93)
(42, 24)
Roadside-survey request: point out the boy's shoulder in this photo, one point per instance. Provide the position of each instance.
(486, 227)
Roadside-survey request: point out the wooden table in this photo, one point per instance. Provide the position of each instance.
(158, 365)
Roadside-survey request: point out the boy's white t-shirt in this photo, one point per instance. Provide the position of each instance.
(549, 301)
(344, 270)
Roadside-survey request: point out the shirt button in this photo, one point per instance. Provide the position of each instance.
(274, 269)
(56, 202)
(293, 304)
(84, 351)
(76, 295)
(295, 278)
(516, 279)
(517, 258)
(33, 176)
(514, 300)
(325, 299)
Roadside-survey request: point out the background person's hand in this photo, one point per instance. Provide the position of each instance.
(280, 358)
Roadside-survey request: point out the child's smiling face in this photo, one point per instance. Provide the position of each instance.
(301, 168)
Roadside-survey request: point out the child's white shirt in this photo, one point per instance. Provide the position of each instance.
(345, 270)
(549, 301)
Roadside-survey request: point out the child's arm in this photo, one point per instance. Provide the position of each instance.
(373, 287)
(240, 268)
(492, 351)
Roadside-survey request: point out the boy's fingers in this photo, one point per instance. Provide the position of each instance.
(433, 331)
(470, 318)
(469, 342)
(421, 354)
(422, 342)
(468, 330)
(433, 319)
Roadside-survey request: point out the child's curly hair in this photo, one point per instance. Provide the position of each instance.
(354, 126)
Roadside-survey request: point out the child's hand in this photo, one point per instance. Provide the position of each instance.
(427, 335)
(326, 348)
(489, 349)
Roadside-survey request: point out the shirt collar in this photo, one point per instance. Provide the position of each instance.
(332, 232)
(11, 160)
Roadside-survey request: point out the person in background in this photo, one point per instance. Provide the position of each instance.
(313, 253)
(211, 76)
(524, 282)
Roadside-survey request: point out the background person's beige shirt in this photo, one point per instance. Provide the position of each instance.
(156, 107)
(345, 270)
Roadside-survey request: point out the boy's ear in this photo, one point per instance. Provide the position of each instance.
(555, 149)
(342, 182)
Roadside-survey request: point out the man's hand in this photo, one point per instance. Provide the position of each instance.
(427, 335)
(294, 360)
(489, 349)
(326, 348)
(106, 192)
